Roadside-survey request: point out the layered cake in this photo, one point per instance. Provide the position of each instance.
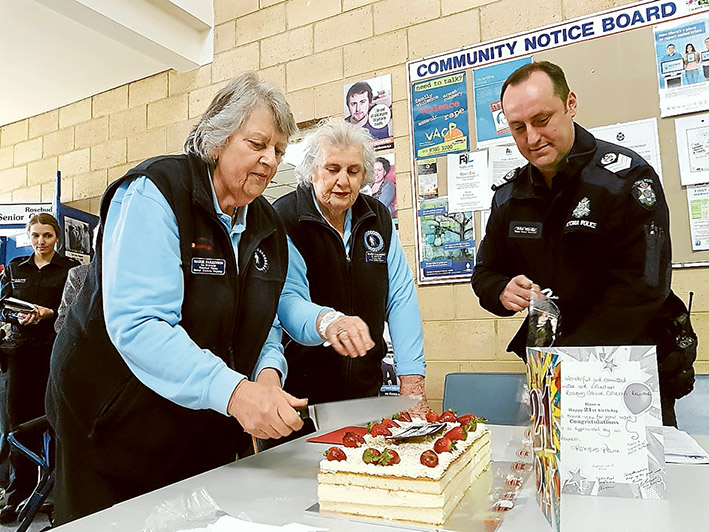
(386, 474)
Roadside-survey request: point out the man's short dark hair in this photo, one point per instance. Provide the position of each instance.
(558, 79)
(359, 88)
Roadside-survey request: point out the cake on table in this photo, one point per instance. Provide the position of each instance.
(404, 469)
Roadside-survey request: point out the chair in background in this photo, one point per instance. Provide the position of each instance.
(692, 412)
(36, 501)
(499, 397)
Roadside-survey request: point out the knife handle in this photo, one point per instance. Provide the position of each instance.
(303, 412)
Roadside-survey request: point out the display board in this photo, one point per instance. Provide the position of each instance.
(618, 62)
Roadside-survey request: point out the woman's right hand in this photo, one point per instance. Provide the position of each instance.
(349, 336)
(264, 410)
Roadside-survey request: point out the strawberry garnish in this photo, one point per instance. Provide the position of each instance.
(465, 419)
(379, 430)
(443, 445)
(429, 458)
(389, 457)
(403, 416)
(335, 454)
(431, 416)
(352, 439)
(371, 456)
(456, 433)
(389, 423)
(448, 416)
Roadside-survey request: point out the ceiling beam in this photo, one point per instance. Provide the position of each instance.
(177, 33)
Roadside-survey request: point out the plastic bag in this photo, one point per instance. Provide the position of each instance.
(544, 318)
(191, 512)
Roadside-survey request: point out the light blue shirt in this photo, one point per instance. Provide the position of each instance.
(298, 314)
(143, 290)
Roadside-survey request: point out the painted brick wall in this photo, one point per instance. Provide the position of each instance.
(309, 48)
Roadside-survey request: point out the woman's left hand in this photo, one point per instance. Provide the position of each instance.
(33, 318)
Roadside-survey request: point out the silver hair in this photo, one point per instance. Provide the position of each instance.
(340, 134)
(231, 107)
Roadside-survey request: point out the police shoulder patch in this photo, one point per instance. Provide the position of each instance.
(509, 176)
(644, 194)
(615, 162)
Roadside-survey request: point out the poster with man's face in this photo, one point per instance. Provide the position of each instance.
(367, 103)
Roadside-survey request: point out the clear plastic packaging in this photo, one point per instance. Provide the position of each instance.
(544, 319)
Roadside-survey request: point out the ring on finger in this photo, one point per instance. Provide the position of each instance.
(341, 331)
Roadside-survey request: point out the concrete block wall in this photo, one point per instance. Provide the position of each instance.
(310, 48)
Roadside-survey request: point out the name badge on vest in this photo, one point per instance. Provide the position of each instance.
(525, 230)
(374, 243)
(207, 266)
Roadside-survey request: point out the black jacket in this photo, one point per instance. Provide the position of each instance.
(599, 239)
(22, 279)
(96, 404)
(358, 286)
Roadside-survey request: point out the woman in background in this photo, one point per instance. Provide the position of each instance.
(38, 279)
(383, 189)
(691, 64)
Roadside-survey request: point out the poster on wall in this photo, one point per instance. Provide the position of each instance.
(440, 116)
(692, 134)
(447, 240)
(640, 136)
(384, 186)
(427, 172)
(490, 122)
(367, 104)
(469, 184)
(682, 53)
(77, 240)
(698, 200)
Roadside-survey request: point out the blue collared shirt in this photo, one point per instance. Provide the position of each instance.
(298, 314)
(143, 290)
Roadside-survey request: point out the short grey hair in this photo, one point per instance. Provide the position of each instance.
(231, 107)
(340, 134)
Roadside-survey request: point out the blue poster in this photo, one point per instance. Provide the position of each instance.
(440, 116)
(490, 122)
(447, 240)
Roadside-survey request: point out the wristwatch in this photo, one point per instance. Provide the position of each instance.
(326, 320)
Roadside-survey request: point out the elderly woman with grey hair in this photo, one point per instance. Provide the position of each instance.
(170, 358)
(345, 257)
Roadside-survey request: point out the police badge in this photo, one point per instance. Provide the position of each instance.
(644, 194)
(582, 209)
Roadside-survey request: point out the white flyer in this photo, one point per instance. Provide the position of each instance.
(698, 203)
(692, 135)
(469, 184)
(640, 136)
(504, 159)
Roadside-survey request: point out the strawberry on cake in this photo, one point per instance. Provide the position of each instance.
(409, 470)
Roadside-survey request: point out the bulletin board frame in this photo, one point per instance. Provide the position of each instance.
(617, 48)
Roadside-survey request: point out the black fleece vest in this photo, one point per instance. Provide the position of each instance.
(358, 286)
(130, 433)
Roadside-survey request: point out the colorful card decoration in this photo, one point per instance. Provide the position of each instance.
(596, 424)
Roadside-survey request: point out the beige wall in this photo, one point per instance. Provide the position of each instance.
(310, 48)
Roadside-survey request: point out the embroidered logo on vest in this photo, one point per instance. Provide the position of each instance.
(373, 241)
(260, 260)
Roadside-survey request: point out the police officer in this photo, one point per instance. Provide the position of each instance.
(587, 219)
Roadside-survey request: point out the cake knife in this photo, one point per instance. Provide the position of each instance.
(338, 414)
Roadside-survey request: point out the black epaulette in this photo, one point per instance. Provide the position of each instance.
(509, 176)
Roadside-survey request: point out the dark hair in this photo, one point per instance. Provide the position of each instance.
(558, 79)
(46, 219)
(671, 44)
(359, 88)
(385, 163)
(686, 48)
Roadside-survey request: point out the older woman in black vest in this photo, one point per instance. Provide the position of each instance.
(169, 359)
(348, 276)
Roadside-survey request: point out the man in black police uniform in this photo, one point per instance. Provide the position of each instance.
(587, 219)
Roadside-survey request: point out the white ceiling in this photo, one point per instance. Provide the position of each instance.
(56, 52)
